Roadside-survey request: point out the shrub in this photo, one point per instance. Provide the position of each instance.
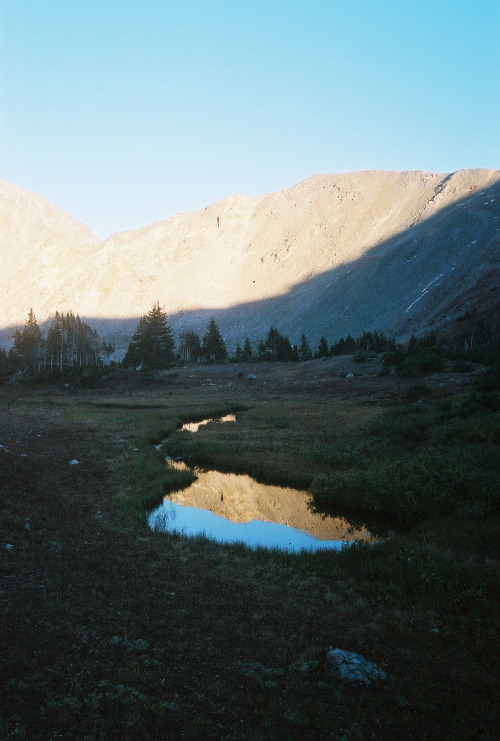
(423, 361)
(429, 481)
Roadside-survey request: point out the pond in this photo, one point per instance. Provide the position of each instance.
(231, 508)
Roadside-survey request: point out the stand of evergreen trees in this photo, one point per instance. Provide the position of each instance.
(152, 345)
(69, 343)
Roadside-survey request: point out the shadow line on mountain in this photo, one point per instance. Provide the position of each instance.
(421, 277)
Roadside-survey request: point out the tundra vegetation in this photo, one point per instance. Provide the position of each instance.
(110, 630)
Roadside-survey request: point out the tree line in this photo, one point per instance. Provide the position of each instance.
(153, 345)
(70, 343)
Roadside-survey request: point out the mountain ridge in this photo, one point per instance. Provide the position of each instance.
(330, 255)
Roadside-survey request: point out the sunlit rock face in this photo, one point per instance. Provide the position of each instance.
(334, 254)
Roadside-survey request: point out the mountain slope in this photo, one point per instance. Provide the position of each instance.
(333, 254)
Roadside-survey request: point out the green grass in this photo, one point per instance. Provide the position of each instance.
(419, 462)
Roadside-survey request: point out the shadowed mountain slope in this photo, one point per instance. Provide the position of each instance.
(398, 252)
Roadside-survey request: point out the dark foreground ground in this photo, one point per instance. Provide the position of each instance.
(110, 631)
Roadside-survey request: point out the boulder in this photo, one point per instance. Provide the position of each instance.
(352, 669)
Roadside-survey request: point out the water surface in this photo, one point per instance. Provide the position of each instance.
(195, 426)
(233, 508)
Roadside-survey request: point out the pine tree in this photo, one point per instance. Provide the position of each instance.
(214, 347)
(246, 353)
(28, 345)
(55, 351)
(152, 344)
(304, 349)
(277, 346)
(190, 347)
(322, 351)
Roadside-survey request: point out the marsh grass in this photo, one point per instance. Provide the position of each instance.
(110, 630)
(420, 462)
(149, 480)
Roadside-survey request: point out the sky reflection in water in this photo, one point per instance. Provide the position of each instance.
(232, 508)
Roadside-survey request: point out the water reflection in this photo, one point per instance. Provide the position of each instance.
(235, 508)
(195, 426)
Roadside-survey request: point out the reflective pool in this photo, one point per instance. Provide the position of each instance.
(233, 508)
(195, 426)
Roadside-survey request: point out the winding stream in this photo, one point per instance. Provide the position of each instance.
(232, 508)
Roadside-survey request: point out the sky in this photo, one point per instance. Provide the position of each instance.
(125, 112)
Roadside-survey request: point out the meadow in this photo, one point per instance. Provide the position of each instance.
(110, 630)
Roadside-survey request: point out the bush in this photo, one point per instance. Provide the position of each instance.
(362, 356)
(430, 481)
(424, 361)
(394, 357)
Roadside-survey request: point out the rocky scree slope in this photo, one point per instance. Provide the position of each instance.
(401, 252)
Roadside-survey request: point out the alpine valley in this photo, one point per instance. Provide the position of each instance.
(400, 252)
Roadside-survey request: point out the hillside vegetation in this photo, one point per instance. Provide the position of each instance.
(110, 630)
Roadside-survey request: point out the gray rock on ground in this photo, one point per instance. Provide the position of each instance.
(353, 669)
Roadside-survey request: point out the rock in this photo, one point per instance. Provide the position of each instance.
(74, 462)
(350, 375)
(353, 669)
(252, 377)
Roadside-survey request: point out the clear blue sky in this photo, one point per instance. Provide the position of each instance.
(123, 112)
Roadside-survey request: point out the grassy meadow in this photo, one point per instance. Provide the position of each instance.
(112, 631)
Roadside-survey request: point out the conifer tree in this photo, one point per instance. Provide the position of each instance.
(213, 347)
(322, 351)
(152, 344)
(28, 344)
(246, 353)
(190, 347)
(304, 350)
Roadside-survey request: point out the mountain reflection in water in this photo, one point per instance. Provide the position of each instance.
(195, 426)
(233, 508)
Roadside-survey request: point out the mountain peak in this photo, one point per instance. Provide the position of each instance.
(333, 254)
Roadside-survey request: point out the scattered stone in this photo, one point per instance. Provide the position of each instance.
(350, 375)
(252, 377)
(9, 546)
(353, 669)
(74, 462)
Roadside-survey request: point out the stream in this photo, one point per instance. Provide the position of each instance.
(234, 508)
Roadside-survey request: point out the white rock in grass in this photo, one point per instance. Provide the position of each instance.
(74, 462)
